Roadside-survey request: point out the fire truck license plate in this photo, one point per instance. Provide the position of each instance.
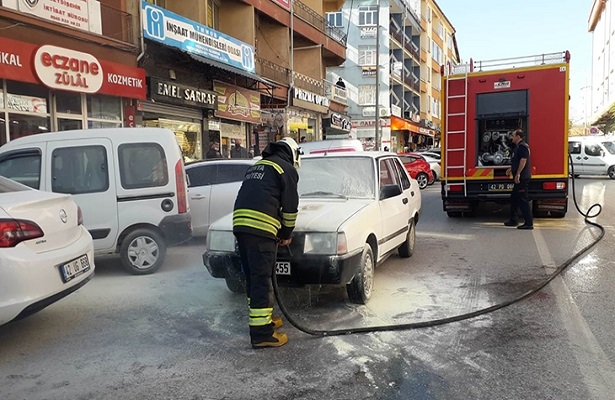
(282, 268)
(500, 187)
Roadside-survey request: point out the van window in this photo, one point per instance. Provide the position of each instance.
(142, 165)
(609, 146)
(77, 170)
(23, 167)
(574, 147)
(592, 149)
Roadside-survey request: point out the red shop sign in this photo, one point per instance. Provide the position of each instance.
(65, 69)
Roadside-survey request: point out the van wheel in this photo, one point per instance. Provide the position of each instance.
(407, 248)
(611, 172)
(360, 288)
(143, 251)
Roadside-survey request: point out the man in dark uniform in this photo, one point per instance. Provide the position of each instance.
(521, 170)
(264, 216)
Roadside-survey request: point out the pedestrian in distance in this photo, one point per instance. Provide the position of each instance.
(340, 83)
(264, 217)
(214, 150)
(238, 151)
(521, 171)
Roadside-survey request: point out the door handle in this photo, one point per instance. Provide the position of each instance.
(585, 158)
(404, 200)
(197, 198)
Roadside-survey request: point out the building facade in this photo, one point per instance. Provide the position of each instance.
(602, 98)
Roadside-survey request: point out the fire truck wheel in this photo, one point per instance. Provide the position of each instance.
(422, 179)
(611, 172)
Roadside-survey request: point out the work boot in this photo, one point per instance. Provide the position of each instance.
(511, 223)
(277, 322)
(277, 339)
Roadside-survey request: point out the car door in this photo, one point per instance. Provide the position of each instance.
(393, 210)
(224, 191)
(575, 149)
(201, 178)
(81, 168)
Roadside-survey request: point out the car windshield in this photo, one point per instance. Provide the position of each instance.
(610, 146)
(338, 177)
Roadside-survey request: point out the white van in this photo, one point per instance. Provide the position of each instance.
(129, 182)
(592, 155)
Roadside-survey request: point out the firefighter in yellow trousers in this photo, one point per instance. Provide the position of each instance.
(263, 218)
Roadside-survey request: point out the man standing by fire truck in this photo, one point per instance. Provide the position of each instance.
(520, 168)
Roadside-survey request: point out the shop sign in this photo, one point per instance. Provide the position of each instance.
(171, 92)
(341, 122)
(80, 14)
(366, 123)
(237, 103)
(339, 95)
(310, 101)
(129, 116)
(170, 29)
(26, 103)
(425, 131)
(65, 69)
(368, 32)
(213, 124)
(283, 3)
(368, 71)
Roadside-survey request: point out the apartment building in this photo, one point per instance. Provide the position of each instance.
(602, 97)
(392, 70)
(68, 65)
(210, 70)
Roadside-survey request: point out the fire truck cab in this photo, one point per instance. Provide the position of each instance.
(482, 103)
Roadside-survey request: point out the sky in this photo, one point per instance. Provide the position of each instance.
(492, 29)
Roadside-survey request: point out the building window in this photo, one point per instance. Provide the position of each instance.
(28, 111)
(435, 107)
(449, 41)
(440, 30)
(104, 111)
(367, 15)
(436, 52)
(334, 19)
(367, 95)
(367, 55)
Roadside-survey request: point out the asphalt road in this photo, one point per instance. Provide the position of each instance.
(180, 334)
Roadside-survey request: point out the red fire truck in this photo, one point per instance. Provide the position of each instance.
(482, 103)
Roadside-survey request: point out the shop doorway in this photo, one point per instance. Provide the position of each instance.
(187, 132)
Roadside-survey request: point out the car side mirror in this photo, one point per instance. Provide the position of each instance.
(389, 191)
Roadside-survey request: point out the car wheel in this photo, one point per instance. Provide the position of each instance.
(611, 172)
(235, 285)
(433, 179)
(407, 248)
(453, 214)
(143, 251)
(422, 179)
(360, 288)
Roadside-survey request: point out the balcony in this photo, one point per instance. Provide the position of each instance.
(337, 94)
(117, 24)
(273, 72)
(304, 82)
(313, 18)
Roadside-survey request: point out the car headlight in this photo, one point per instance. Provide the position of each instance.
(221, 241)
(325, 243)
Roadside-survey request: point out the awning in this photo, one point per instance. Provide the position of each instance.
(400, 124)
(232, 69)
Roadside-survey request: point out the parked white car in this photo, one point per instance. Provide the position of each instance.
(434, 163)
(355, 210)
(212, 189)
(45, 251)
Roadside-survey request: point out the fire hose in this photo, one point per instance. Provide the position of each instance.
(443, 321)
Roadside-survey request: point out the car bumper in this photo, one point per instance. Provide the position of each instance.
(33, 281)
(305, 269)
(176, 228)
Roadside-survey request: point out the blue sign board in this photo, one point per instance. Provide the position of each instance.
(173, 30)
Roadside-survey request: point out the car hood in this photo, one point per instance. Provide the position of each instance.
(314, 215)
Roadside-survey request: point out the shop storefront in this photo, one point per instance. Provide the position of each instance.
(182, 109)
(410, 136)
(365, 131)
(47, 88)
(305, 115)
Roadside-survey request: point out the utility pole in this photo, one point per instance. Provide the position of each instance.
(377, 114)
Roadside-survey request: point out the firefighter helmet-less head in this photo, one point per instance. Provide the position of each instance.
(294, 149)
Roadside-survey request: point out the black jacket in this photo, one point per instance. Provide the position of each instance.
(267, 202)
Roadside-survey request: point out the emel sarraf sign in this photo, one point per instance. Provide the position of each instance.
(171, 92)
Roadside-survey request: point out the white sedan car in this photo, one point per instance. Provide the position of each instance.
(434, 163)
(355, 210)
(45, 251)
(212, 189)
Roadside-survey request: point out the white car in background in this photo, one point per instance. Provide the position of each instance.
(45, 251)
(212, 189)
(356, 208)
(434, 163)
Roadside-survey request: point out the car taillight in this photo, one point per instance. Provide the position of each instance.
(79, 216)
(14, 231)
(180, 182)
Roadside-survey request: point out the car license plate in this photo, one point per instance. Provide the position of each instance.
(500, 187)
(282, 268)
(74, 268)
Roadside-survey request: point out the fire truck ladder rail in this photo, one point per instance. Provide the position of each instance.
(448, 133)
